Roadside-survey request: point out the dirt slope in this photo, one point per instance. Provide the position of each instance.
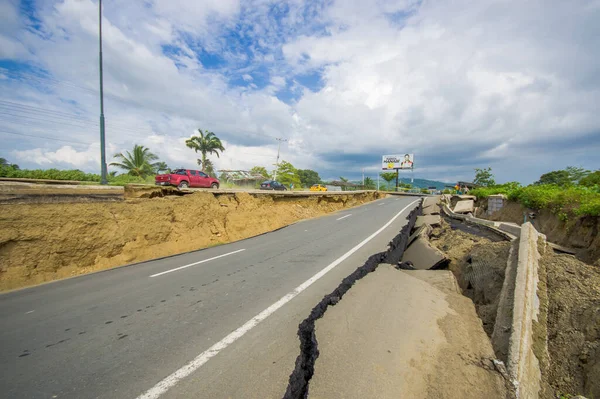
(573, 325)
(579, 233)
(44, 242)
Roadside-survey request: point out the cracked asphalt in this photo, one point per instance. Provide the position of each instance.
(117, 333)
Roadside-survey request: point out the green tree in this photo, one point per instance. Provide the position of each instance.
(558, 177)
(369, 184)
(205, 143)
(209, 168)
(344, 180)
(259, 171)
(139, 162)
(5, 164)
(287, 174)
(388, 177)
(308, 177)
(484, 177)
(162, 167)
(591, 180)
(576, 173)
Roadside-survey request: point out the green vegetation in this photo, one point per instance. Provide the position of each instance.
(572, 193)
(205, 143)
(308, 177)
(50, 174)
(287, 174)
(591, 180)
(567, 177)
(388, 177)
(259, 171)
(369, 184)
(484, 177)
(139, 162)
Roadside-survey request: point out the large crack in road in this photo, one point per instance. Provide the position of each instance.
(299, 380)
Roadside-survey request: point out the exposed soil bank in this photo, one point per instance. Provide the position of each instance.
(578, 233)
(573, 326)
(45, 242)
(570, 308)
(478, 264)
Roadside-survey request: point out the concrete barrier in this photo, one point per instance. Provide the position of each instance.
(519, 304)
(510, 228)
(523, 365)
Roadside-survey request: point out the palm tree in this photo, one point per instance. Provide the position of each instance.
(162, 167)
(205, 143)
(137, 163)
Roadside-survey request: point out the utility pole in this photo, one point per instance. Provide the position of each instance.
(102, 133)
(277, 161)
(363, 170)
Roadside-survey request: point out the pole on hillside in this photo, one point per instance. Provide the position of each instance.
(103, 179)
(277, 161)
(363, 170)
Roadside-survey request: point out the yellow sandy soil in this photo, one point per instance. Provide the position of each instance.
(44, 242)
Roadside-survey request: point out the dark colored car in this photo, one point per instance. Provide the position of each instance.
(272, 185)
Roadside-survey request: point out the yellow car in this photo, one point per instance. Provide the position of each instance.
(318, 187)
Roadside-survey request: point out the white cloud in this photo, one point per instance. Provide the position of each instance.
(461, 84)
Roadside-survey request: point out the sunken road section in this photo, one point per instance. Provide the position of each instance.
(309, 352)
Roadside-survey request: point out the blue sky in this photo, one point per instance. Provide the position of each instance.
(505, 84)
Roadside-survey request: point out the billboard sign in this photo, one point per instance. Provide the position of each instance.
(401, 161)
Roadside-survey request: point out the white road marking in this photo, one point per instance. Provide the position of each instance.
(170, 381)
(31, 311)
(344, 217)
(197, 263)
(381, 204)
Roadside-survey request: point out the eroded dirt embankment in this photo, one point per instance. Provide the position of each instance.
(45, 242)
(580, 233)
(569, 321)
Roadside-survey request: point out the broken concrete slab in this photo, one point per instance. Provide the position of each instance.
(423, 256)
(432, 220)
(428, 201)
(421, 231)
(465, 206)
(431, 210)
(511, 228)
(394, 335)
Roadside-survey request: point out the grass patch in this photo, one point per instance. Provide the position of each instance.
(562, 201)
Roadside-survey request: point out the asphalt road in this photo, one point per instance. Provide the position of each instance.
(190, 320)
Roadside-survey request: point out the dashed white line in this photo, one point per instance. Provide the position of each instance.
(380, 204)
(31, 311)
(197, 263)
(344, 217)
(170, 381)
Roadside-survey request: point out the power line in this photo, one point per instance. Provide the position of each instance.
(13, 106)
(43, 137)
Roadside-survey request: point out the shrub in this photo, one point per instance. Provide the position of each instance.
(562, 201)
(51, 174)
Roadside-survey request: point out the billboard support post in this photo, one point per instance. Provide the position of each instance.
(397, 172)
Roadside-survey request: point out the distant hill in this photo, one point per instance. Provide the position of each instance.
(418, 183)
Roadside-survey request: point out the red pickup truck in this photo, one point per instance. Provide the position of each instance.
(184, 178)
